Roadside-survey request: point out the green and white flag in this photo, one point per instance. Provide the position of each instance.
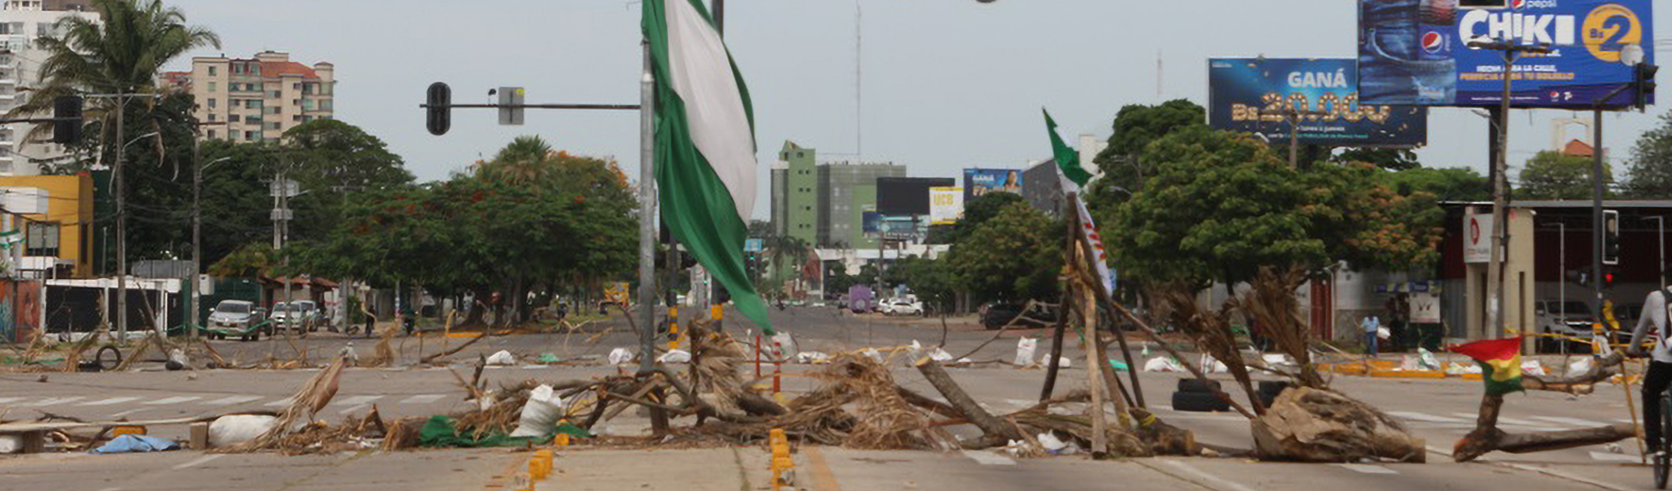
(705, 144)
(1068, 160)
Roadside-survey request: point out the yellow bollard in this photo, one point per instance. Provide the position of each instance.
(715, 312)
(561, 440)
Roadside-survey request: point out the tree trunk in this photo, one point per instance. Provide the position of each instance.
(993, 428)
(1486, 436)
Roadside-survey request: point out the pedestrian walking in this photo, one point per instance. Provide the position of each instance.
(1372, 329)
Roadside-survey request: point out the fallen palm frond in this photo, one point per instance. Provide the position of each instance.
(1213, 335)
(1275, 309)
(306, 402)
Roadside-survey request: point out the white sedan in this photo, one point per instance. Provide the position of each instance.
(902, 307)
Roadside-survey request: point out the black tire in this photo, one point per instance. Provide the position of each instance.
(1197, 386)
(115, 359)
(1267, 399)
(1199, 402)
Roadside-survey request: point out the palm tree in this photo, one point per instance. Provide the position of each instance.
(124, 54)
(526, 160)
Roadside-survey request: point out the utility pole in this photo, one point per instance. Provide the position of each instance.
(647, 216)
(194, 304)
(1495, 314)
(121, 224)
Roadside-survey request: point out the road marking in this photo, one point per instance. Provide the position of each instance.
(1563, 475)
(52, 400)
(1207, 417)
(988, 458)
(1615, 457)
(199, 461)
(356, 401)
(110, 401)
(172, 400)
(819, 471)
(1510, 421)
(228, 401)
(130, 411)
(1415, 416)
(9, 400)
(1368, 469)
(423, 399)
(1572, 421)
(1192, 470)
(281, 402)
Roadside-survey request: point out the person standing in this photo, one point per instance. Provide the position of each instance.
(1372, 327)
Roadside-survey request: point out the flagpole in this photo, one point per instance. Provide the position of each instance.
(647, 217)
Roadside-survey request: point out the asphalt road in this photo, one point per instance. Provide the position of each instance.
(1439, 411)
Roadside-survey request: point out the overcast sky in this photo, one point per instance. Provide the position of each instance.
(947, 84)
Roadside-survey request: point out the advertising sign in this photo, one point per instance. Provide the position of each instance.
(900, 196)
(1477, 239)
(900, 228)
(871, 222)
(1417, 51)
(1425, 308)
(1254, 95)
(982, 181)
(946, 205)
(754, 245)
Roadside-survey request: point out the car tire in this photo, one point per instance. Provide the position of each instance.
(1193, 385)
(1273, 387)
(1199, 402)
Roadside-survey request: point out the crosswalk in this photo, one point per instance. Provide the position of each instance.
(345, 403)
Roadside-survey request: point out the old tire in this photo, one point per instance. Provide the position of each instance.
(1199, 402)
(1198, 386)
(1273, 387)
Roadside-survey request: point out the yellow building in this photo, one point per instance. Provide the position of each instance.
(57, 214)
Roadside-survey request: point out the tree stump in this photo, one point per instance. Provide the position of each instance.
(1311, 425)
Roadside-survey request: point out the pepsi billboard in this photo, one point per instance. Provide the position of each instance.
(1416, 51)
(1255, 95)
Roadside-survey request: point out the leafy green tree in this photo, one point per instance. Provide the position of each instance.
(1554, 175)
(1135, 126)
(1015, 256)
(932, 281)
(1454, 184)
(1394, 159)
(979, 210)
(247, 262)
(1650, 169)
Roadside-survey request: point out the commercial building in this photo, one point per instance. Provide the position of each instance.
(55, 216)
(22, 24)
(846, 191)
(795, 193)
(257, 98)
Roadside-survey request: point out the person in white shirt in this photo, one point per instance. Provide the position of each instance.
(1659, 375)
(1372, 327)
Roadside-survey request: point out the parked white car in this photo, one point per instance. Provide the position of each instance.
(902, 307)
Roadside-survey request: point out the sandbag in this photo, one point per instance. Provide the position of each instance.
(812, 357)
(672, 356)
(1062, 362)
(502, 358)
(540, 413)
(940, 355)
(1426, 360)
(1162, 364)
(239, 428)
(620, 355)
(10, 444)
(1581, 366)
(1024, 351)
(1532, 367)
(783, 346)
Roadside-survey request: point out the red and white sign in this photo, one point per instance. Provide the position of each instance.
(1477, 238)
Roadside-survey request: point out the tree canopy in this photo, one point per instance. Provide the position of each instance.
(1649, 171)
(1554, 175)
(1015, 256)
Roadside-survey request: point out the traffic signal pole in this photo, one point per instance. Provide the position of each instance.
(1596, 212)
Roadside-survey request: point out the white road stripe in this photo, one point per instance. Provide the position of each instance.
(228, 401)
(9, 400)
(355, 401)
(110, 401)
(1572, 421)
(423, 399)
(1368, 469)
(988, 458)
(1192, 470)
(1615, 457)
(279, 403)
(130, 411)
(1509, 421)
(199, 461)
(52, 400)
(1416, 416)
(172, 400)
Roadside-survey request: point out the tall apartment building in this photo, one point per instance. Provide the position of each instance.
(795, 200)
(258, 98)
(22, 23)
(846, 191)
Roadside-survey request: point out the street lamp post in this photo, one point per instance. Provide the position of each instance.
(1495, 314)
(121, 209)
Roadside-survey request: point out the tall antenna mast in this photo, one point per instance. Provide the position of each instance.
(858, 84)
(1159, 95)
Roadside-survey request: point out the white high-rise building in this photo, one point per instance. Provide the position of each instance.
(22, 22)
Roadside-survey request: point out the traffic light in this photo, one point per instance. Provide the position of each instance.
(1644, 84)
(1611, 237)
(439, 103)
(1608, 278)
(67, 121)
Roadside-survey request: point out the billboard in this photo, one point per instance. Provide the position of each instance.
(1253, 95)
(982, 181)
(907, 196)
(1416, 51)
(946, 205)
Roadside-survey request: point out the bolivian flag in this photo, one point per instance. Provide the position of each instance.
(705, 144)
(1500, 363)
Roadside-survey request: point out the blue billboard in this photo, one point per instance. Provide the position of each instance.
(1417, 51)
(1256, 95)
(978, 182)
